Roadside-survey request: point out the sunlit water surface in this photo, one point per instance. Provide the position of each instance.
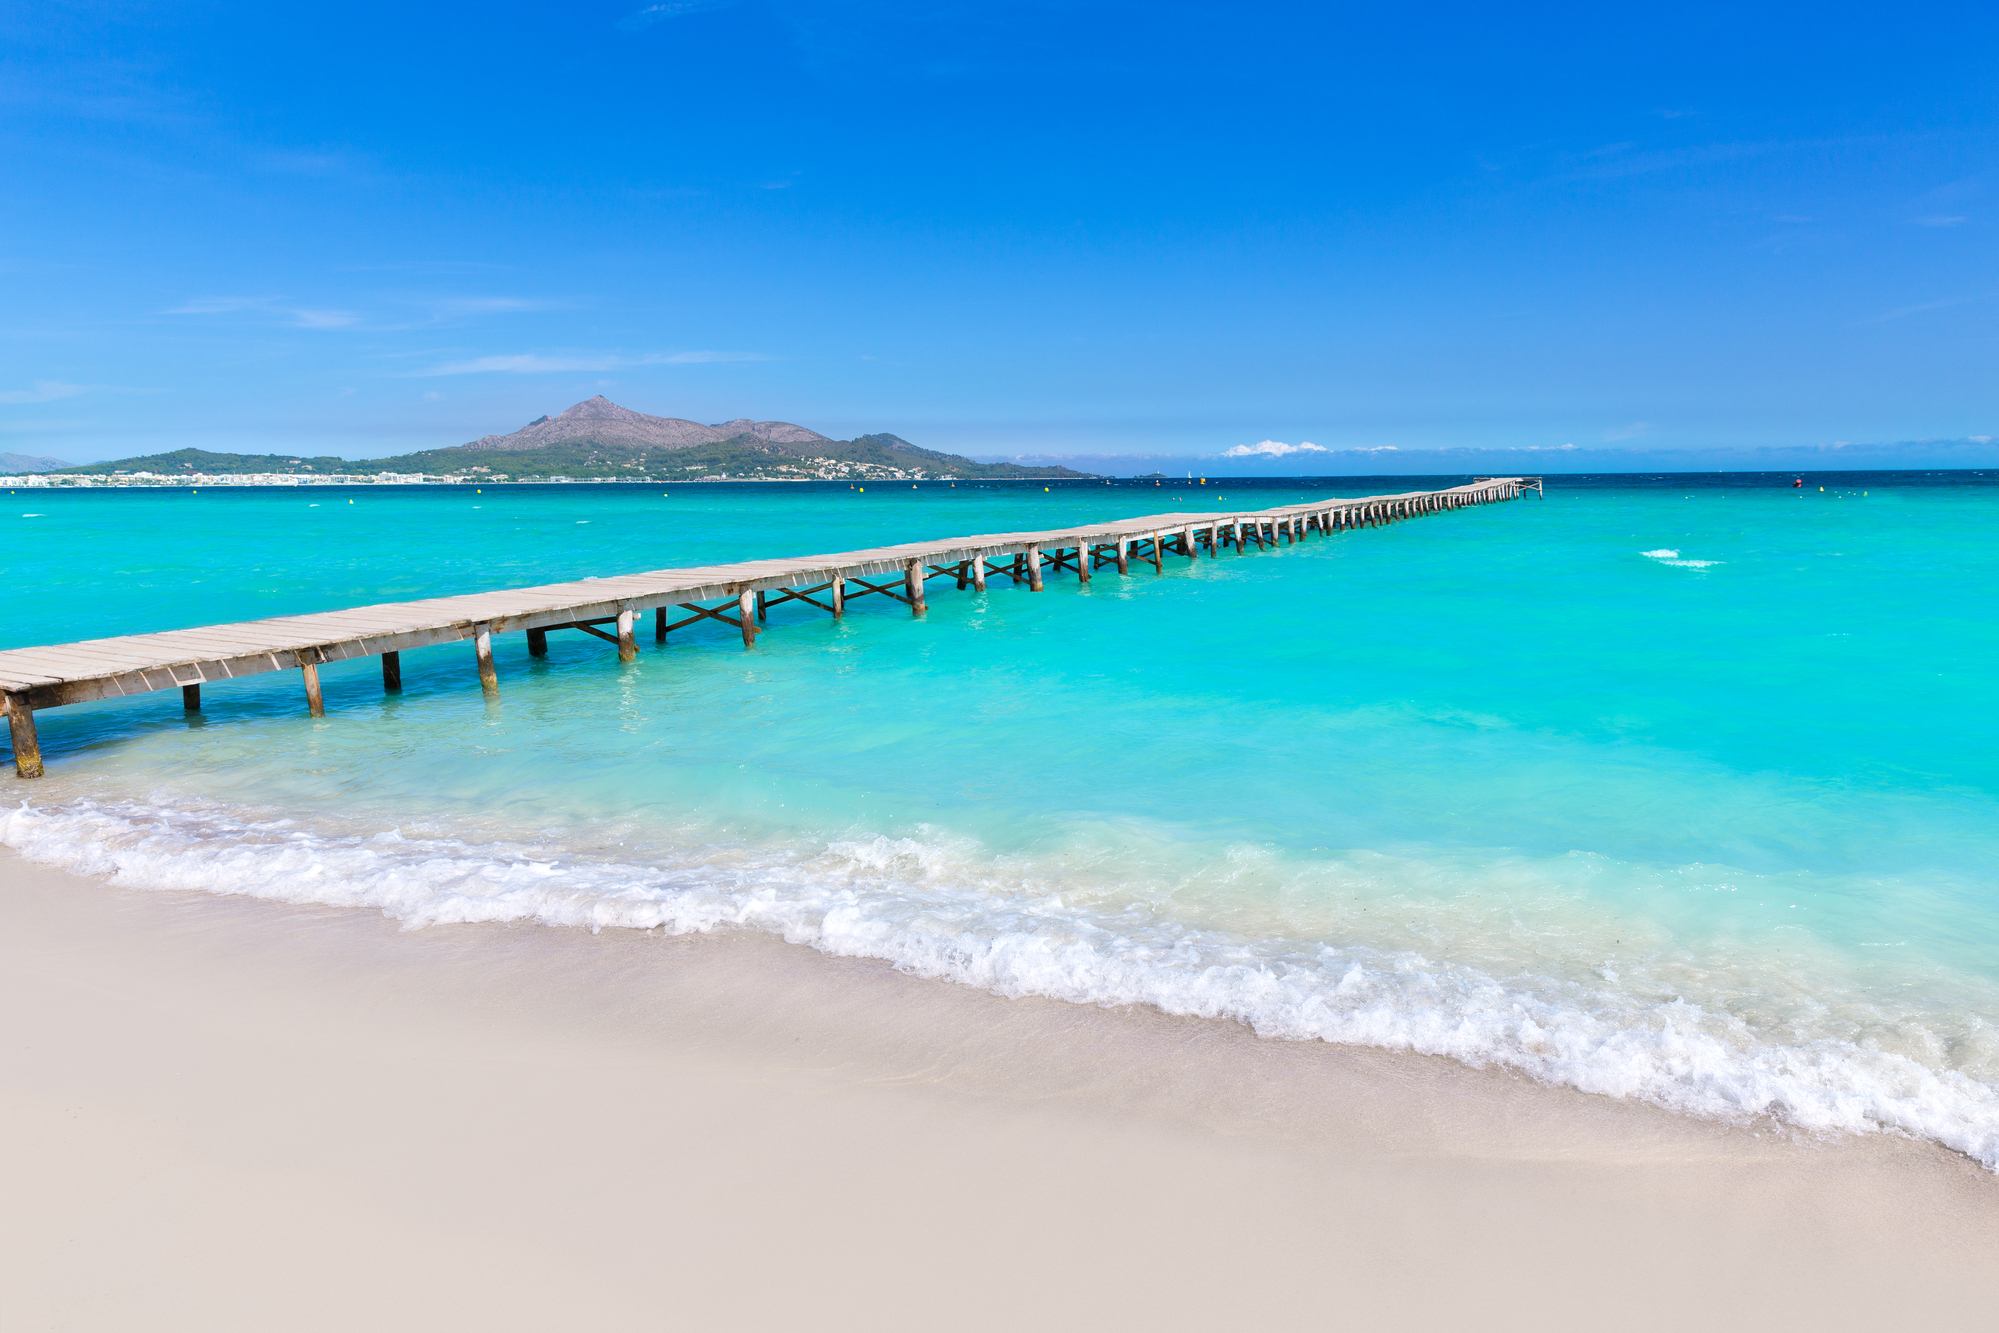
(1677, 788)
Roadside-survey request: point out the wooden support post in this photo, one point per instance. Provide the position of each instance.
(912, 586)
(392, 672)
(1018, 561)
(315, 702)
(1085, 553)
(1033, 557)
(190, 698)
(628, 647)
(761, 617)
(537, 643)
(1158, 554)
(1124, 555)
(964, 572)
(839, 596)
(659, 624)
(482, 648)
(746, 611)
(1187, 541)
(978, 573)
(21, 726)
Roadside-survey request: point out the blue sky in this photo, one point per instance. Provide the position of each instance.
(1572, 237)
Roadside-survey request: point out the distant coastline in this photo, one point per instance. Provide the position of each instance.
(162, 481)
(595, 440)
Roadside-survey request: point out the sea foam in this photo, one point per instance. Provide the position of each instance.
(945, 909)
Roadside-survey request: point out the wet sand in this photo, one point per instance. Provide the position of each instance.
(226, 1114)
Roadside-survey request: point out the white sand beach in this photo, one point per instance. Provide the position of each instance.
(225, 1114)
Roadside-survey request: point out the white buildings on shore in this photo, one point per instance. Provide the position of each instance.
(73, 479)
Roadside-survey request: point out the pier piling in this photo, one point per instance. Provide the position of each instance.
(482, 649)
(21, 728)
(315, 702)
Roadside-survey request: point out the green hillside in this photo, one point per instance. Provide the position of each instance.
(201, 460)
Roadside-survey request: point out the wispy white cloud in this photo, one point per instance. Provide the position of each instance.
(486, 305)
(534, 363)
(337, 165)
(1953, 220)
(417, 311)
(323, 319)
(1273, 449)
(45, 391)
(299, 317)
(426, 266)
(641, 19)
(1907, 310)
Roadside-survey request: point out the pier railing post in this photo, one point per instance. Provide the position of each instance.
(21, 728)
(628, 648)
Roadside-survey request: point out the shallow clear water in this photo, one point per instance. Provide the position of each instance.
(1679, 788)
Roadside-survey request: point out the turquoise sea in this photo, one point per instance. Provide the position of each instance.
(1679, 788)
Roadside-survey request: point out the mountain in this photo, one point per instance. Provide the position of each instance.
(599, 439)
(599, 421)
(27, 463)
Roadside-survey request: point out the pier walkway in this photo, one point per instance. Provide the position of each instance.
(48, 677)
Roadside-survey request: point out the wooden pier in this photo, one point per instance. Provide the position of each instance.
(738, 595)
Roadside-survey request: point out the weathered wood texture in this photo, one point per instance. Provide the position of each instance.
(47, 677)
